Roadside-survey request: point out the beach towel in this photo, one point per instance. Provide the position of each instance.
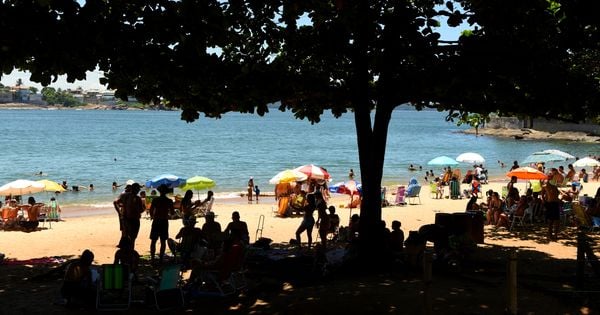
(283, 206)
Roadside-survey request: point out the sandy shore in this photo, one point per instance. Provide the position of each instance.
(98, 229)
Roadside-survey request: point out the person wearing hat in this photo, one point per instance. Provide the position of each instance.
(132, 208)
(160, 211)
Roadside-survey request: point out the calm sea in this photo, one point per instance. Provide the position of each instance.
(99, 147)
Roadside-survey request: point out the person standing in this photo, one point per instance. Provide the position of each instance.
(351, 174)
(132, 212)
(160, 211)
(250, 189)
(308, 221)
(256, 192)
(552, 203)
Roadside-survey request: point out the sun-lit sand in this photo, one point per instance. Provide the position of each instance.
(100, 232)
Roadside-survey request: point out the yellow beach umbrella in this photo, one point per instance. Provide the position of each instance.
(51, 185)
(288, 176)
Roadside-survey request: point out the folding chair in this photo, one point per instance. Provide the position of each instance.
(521, 219)
(44, 216)
(400, 192)
(114, 288)
(167, 292)
(414, 194)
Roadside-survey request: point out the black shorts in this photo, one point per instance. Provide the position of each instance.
(132, 228)
(552, 211)
(160, 229)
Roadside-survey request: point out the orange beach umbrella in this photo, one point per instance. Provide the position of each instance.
(527, 173)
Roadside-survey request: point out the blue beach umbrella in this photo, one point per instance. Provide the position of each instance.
(442, 161)
(169, 180)
(542, 157)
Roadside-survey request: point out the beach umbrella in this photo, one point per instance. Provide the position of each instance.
(586, 162)
(288, 176)
(350, 187)
(442, 161)
(169, 180)
(470, 157)
(527, 173)
(313, 171)
(543, 157)
(197, 183)
(559, 153)
(51, 185)
(21, 187)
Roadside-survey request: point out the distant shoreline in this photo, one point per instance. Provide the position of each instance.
(531, 134)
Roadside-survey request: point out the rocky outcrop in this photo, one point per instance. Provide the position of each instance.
(531, 134)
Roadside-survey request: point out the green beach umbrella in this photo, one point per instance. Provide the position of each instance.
(197, 183)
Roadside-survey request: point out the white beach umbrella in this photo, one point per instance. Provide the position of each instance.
(21, 187)
(559, 153)
(470, 157)
(586, 162)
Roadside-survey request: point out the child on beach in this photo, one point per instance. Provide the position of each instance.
(256, 192)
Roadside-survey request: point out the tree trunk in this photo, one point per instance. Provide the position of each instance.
(371, 153)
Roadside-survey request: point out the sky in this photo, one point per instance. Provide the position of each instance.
(93, 77)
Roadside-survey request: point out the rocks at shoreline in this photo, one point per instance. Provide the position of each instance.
(531, 134)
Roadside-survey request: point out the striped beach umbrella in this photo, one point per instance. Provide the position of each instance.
(313, 171)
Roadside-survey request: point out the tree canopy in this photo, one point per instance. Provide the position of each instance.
(212, 57)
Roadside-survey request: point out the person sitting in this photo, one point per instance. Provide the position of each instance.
(472, 204)
(570, 194)
(239, 227)
(583, 176)
(334, 220)
(192, 241)
(412, 186)
(354, 228)
(231, 257)
(78, 285)
(396, 238)
(494, 209)
(212, 232)
(126, 255)
(205, 205)
(468, 177)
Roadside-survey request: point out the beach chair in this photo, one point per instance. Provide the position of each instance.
(414, 194)
(433, 190)
(167, 291)
(504, 192)
(400, 192)
(520, 220)
(455, 190)
(44, 216)
(114, 288)
(228, 279)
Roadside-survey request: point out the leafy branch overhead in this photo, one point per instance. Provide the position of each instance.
(212, 57)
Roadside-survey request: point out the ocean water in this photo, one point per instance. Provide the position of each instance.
(99, 147)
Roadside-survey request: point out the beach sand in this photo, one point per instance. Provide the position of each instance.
(31, 281)
(98, 229)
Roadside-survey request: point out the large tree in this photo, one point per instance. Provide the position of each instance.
(367, 57)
